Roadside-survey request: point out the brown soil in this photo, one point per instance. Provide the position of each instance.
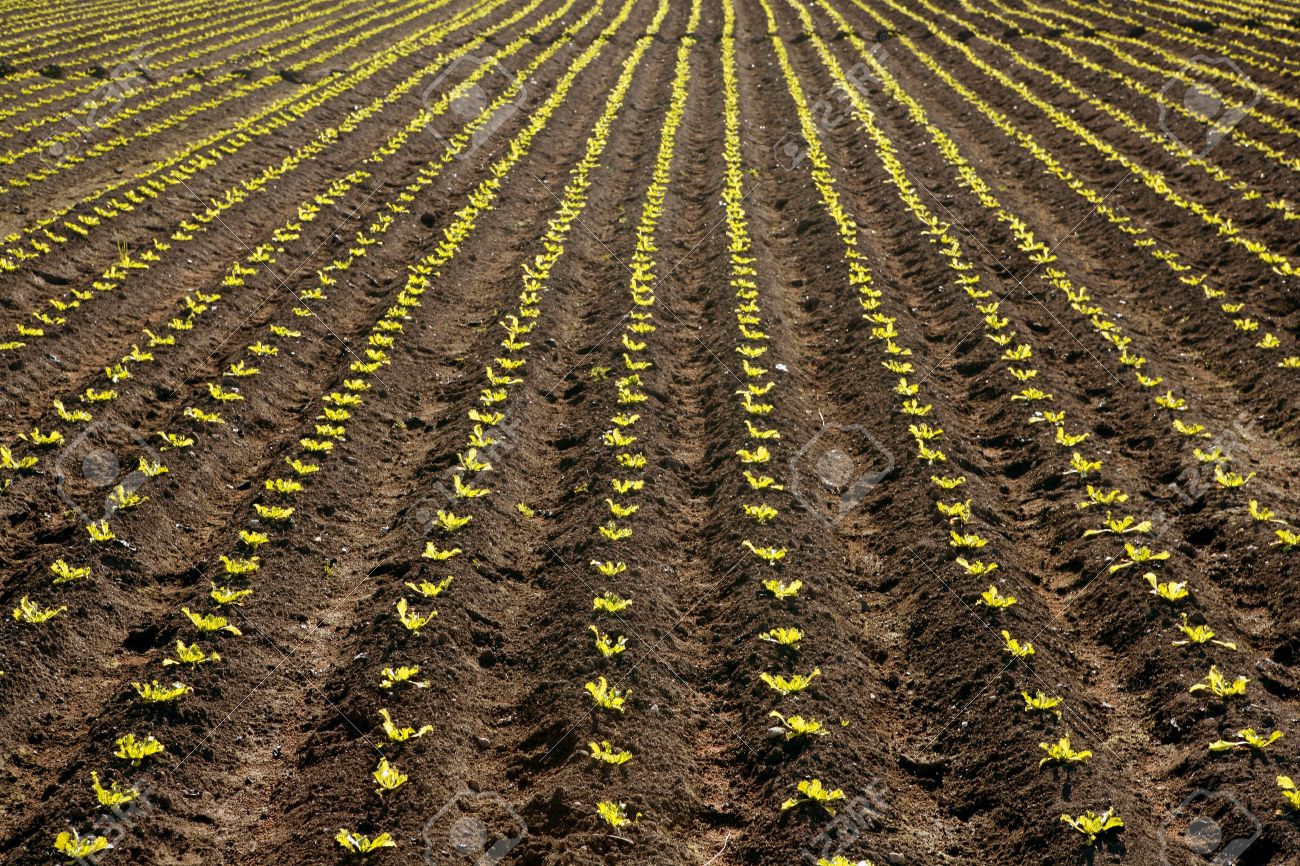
(928, 739)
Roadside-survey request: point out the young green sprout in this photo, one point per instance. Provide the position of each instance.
(135, 751)
(1173, 591)
(610, 602)
(770, 555)
(608, 646)
(401, 674)
(30, 612)
(1200, 634)
(362, 845)
(1092, 825)
(78, 848)
(1289, 791)
(792, 684)
(1015, 647)
(1219, 685)
(607, 697)
(413, 619)
(114, 795)
(1041, 703)
(429, 589)
(615, 814)
(398, 734)
(159, 693)
(1062, 753)
(813, 792)
(797, 726)
(978, 567)
(786, 637)
(607, 753)
(993, 597)
(388, 777)
(431, 551)
(210, 622)
(782, 590)
(1249, 740)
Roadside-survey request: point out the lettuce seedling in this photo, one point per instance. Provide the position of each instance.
(240, 566)
(362, 845)
(1287, 540)
(30, 612)
(398, 734)
(1138, 555)
(761, 482)
(1199, 634)
(786, 637)
(797, 726)
(274, 513)
(1062, 753)
(770, 555)
(99, 532)
(615, 814)
(608, 646)
(993, 597)
(428, 589)
(210, 622)
(191, 654)
(1249, 739)
(159, 693)
(1289, 791)
(610, 603)
(977, 567)
(64, 573)
(792, 684)
(431, 551)
(812, 791)
(1230, 479)
(388, 777)
(1041, 703)
(1173, 591)
(114, 795)
(78, 848)
(135, 751)
(607, 697)
(962, 540)
(1015, 647)
(1218, 684)
(605, 752)
(782, 590)
(401, 674)
(412, 619)
(1092, 825)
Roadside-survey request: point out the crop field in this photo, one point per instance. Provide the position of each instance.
(673, 432)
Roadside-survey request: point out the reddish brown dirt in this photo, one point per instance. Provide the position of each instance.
(928, 739)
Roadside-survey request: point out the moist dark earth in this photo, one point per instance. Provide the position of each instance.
(193, 190)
